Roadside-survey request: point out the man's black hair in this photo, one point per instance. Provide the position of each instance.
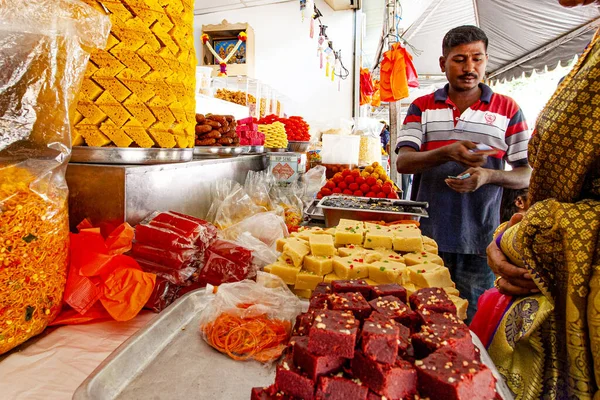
(463, 35)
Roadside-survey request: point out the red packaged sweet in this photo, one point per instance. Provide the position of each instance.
(189, 230)
(225, 262)
(162, 237)
(175, 276)
(176, 258)
(162, 296)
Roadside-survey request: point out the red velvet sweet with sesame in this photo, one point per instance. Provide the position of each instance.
(432, 299)
(453, 337)
(380, 340)
(429, 317)
(339, 388)
(389, 289)
(323, 288)
(447, 375)
(290, 380)
(393, 308)
(313, 365)
(303, 323)
(351, 286)
(393, 381)
(319, 301)
(268, 393)
(333, 333)
(354, 302)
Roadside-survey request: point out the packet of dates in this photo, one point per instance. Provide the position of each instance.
(250, 320)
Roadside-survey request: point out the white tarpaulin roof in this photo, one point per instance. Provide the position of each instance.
(524, 35)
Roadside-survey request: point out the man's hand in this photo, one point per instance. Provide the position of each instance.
(478, 178)
(514, 281)
(460, 153)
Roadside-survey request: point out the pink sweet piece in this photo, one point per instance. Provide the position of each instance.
(339, 388)
(358, 285)
(380, 340)
(432, 299)
(350, 301)
(393, 381)
(447, 375)
(389, 289)
(319, 301)
(333, 333)
(291, 381)
(393, 308)
(313, 365)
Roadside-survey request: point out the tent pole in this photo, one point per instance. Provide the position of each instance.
(392, 8)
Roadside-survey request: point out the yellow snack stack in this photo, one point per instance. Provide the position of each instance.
(139, 90)
(275, 136)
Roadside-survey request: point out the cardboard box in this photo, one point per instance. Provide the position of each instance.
(287, 168)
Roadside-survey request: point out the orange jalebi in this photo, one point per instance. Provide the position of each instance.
(257, 337)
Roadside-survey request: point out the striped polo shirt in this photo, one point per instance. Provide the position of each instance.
(463, 223)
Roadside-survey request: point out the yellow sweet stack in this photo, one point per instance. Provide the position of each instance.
(139, 91)
(275, 136)
(376, 253)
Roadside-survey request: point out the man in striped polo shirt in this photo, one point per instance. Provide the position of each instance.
(441, 138)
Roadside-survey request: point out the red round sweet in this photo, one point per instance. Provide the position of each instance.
(365, 188)
(353, 187)
(343, 185)
(376, 188)
(358, 193)
(382, 195)
(371, 194)
(360, 180)
(347, 191)
(393, 195)
(326, 191)
(349, 179)
(355, 173)
(337, 190)
(319, 195)
(330, 184)
(338, 179)
(371, 181)
(387, 189)
(346, 172)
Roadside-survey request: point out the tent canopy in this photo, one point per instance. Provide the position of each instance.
(524, 35)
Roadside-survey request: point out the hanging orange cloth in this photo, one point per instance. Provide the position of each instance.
(102, 282)
(396, 69)
(376, 99)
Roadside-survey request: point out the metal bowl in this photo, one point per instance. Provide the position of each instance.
(298, 147)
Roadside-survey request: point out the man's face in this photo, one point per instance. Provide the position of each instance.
(573, 3)
(465, 65)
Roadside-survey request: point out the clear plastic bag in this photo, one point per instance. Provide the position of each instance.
(251, 320)
(258, 186)
(44, 50)
(369, 131)
(313, 181)
(231, 204)
(262, 255)
(267, 227)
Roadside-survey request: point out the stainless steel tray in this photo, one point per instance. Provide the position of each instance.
(168, 359)
(254, 149)
(314, 212)
(334, 214)
(129, 155)
(218, 151)
(275, 150)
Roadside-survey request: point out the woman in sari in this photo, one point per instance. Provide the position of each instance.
(542, 323)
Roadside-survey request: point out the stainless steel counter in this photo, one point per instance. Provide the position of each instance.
(111, 194)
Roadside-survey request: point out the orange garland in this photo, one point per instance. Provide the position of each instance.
(259, 337)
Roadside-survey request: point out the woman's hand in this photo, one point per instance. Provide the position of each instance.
(513, 280)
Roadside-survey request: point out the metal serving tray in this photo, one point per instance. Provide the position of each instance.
(334, 214)
(219, 151)
(168, 359)
(314, 212)
(276, 150)
(254, 149)
(129, 155)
